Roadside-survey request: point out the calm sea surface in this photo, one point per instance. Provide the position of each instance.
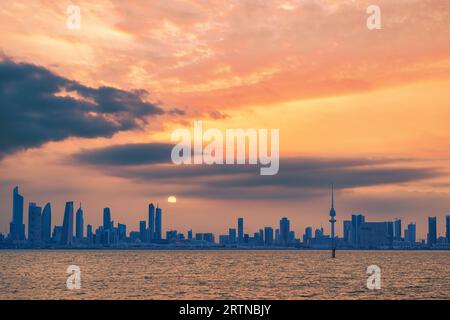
(224, 275)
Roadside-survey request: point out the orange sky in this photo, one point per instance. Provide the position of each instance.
(308, 67)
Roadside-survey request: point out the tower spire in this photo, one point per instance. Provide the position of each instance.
(332, 196)
(332, 221)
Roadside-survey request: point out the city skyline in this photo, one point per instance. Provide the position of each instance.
(102, 102)
(355, 232)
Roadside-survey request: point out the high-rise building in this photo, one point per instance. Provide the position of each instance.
(89, 235)
(46, 223)
(67, 228)
(16, 227)
(447, 228)
(34, 224)
(57, 234)
(158, 223)
(208, 237)
(122, 231)
(284, 230)
(107, 225)
(376, 234)
(398, 230)
(432, 231)
(268, 236)
(411, 233)
(79, 224)
(142, 231)
(357, 221)
(190, 234)
(232, 235)
(347, 225)
(240, 230)
(308, 235)
(318, 233)
(390, 226)
(151, 221)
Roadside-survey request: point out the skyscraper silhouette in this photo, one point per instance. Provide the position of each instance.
(398, 229)
(142, 231)
(347, 226)
(151, 221)
(411, 232)
(79, 224)
(89, 235)
(106, 219)
(16, 227)
(46, 223)
(34, 224)
(268, 236)
(158, 224)
(308, 235)
(357, 222)
(240, 230)
(284, 230)
(67, 229)
(432, 231)
(232, 235)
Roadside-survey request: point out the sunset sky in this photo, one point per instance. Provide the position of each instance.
(87, 114)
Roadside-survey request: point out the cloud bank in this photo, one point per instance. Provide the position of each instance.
(38, 106)
(297, 178)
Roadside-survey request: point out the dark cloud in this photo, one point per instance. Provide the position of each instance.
(38, 106)
(297, 177)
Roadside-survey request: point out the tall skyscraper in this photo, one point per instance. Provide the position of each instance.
(67, 228)
(284, 230)
(158, 224)
(347, 225)
(46, 223)
(411, 233)
(308, 235)
(332, 216)
(34, 224)
(151, 221)
(79, 224)
(398, 229)
(357, 221)
(232, 235)
(240, 230)
(122, 231)
(432, 231)
(107, 219)
(376, 234)
(390, 227)
(447, 228)
(268, 236)
(142, 231)
(89, 235)
(16, 227)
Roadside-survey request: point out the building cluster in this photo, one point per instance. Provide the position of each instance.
(357, 233)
